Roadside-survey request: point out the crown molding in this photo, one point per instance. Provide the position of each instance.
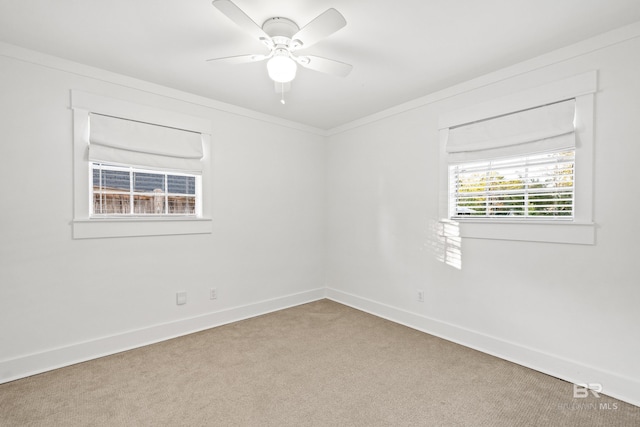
(71, 67)
(584, 47)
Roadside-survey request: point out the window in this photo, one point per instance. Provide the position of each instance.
(138, 171)
(521, 167)
(124, 190)
(536, 187)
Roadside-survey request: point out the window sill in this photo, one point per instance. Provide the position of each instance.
(539, 231)
(98, 228)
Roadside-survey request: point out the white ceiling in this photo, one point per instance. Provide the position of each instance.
(399, 50)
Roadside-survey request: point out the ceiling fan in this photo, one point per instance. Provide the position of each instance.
(283, 37)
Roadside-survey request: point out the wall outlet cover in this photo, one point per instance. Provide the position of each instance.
(181, 298)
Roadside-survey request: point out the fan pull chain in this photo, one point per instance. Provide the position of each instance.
(282, 93)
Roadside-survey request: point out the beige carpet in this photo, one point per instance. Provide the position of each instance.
(318, 364)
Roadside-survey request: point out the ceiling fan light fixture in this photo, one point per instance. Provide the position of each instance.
(281, 67)
(283, 37)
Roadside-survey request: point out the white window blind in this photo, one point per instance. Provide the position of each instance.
(537, 186)
(545, 128)
(121, 141)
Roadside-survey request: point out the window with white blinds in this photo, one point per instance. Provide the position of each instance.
(520, 167)
(517, 165)
(537, 186)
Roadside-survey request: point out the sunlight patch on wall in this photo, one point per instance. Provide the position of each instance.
(447, 243)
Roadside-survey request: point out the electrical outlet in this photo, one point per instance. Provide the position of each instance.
(181, 298)
(420, 295)
(213, 293)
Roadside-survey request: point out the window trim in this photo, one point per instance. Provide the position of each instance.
(86, 227)
(580, 230)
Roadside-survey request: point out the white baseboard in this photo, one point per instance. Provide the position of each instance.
(614, 385)
(31, 364)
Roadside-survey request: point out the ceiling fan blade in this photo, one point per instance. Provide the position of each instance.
(239, 59)
(233, 12)
(322, 26)
(325, 65)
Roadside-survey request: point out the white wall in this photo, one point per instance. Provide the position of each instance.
(64, 300)
(293, 209)
(568, 310)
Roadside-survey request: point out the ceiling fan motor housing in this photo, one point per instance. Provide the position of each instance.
(281, 30)
(282, 27)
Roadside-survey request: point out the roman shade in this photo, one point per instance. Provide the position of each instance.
(539, 129)
(122, 141)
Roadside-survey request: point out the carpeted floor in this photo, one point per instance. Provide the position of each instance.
(318, 364)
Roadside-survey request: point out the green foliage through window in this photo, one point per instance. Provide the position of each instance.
(536, 186)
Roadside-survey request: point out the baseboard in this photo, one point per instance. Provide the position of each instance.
(614, 385)
(24, 366)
